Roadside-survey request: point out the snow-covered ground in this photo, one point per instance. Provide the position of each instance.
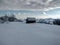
(17, 33)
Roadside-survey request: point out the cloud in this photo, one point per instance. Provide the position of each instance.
(28, 4)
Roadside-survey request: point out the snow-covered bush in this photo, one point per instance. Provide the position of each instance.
(41, 21)
(7, 18)
(3, 19)
(46, 21)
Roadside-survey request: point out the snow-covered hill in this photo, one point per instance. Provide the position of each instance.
(16, 33)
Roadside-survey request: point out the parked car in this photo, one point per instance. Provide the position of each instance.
(31, 20)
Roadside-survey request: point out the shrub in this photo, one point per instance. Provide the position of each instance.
(56, 22)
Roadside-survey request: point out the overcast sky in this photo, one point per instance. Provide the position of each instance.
(28, 4)
(44, 5)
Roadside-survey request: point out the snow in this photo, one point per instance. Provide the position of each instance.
(16, 33)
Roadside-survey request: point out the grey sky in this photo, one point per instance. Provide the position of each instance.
(28, 4)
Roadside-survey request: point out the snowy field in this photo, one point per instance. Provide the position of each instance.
(29, 34)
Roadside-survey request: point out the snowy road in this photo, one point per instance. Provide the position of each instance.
(29, 34)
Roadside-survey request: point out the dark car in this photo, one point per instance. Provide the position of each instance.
(30, 20)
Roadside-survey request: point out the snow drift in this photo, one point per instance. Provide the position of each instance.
(16, 33)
